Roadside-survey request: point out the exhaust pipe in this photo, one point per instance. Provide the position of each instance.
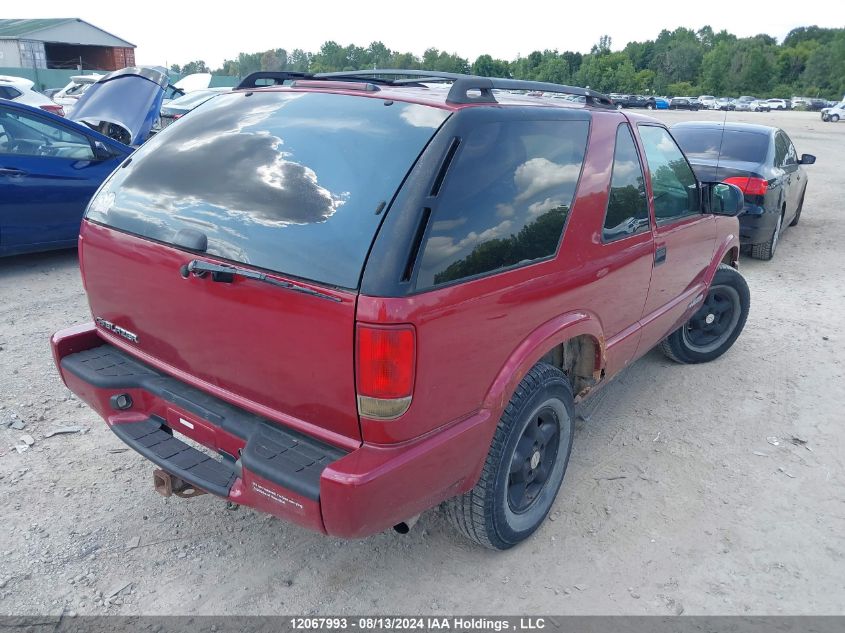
(405, 526)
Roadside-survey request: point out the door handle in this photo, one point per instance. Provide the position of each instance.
(659, 255)
(11, 171)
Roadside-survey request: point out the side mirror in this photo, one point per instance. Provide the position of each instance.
(101, 152)
(807, 159)
(726, 199)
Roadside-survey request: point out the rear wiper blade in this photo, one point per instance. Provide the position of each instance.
(220, 272)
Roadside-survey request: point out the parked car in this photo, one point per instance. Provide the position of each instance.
(745, 103)
(634, 101)
(760, 160)
(49, 169)
(707, 101)
(661, 103)
(365, 298)
(178, 108)
(724, 103)
(50, 166)
(684, 103)
(124, 104)
(761, 105)
(834, 113)
(67, 96)
(21, 90)
(778, 104)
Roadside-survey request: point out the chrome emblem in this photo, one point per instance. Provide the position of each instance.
(111, 327)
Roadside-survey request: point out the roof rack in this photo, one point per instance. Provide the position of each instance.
(275, 77)
(463, 90)
(282, 77)
(462, 84)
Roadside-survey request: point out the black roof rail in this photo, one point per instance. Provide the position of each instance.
(463, 84)
(278, 77)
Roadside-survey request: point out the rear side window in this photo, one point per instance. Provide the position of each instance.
(711, 144)
(293, 182)
(505, 199)
(627, 207)
(7, 92)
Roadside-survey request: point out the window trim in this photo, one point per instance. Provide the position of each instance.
(661, 222)
(650, 225)
(416, 289)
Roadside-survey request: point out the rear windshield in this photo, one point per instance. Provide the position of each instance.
(292, 182)
(738, 145)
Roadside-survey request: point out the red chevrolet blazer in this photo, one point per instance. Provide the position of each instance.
(345, 299)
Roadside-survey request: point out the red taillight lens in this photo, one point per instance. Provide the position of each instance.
(749, 186)
(386, 359)
(55, 109)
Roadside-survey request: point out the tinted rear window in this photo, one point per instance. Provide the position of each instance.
(285, 181)
(505, 199)
(749, 147)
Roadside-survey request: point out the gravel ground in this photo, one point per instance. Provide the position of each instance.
(677, 499)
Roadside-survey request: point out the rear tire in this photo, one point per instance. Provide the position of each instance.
(712, 330)
(766, 250)
(525, 466)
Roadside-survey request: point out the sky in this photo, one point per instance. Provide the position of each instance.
(179, 32)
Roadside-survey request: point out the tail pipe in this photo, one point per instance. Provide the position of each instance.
(405, 526)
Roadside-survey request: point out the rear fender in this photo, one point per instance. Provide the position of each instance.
(538, 344)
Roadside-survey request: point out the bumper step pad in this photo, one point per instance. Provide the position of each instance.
(280, 455)
(151, 440)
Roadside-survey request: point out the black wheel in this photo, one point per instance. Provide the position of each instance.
(525, 465)
(766, 250)
(716, 325)
(798, 211)
(833, 118)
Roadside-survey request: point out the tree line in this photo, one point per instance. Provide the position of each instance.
(809, 62)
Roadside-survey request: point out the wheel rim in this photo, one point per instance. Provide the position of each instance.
(715, 321)
(533, 460)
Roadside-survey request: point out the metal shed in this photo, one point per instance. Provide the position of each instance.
(62, 43)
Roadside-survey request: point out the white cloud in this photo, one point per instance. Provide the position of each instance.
(538, 174)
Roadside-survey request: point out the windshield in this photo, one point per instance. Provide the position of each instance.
(293, 182)
(737, 145)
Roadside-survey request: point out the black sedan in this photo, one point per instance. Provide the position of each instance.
(760, 160)
(684, 103)
(634, 101)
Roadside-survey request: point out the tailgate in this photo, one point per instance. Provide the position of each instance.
(279, 349)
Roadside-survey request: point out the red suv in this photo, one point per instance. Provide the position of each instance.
(348, 298)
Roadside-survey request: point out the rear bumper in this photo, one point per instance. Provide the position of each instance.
(756, 225)
(260, 463)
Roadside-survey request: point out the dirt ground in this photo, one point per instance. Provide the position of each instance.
(678, 499)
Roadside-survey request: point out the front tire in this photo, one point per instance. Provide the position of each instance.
(525, 466)
(712, 330)
(833, 118)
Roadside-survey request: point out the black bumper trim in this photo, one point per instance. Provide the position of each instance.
(151, 439)
(280, 455)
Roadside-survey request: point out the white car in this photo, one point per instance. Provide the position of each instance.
(761, 105)
(707, 101)
(21, 90)
(67, 96)
(834, 114)
(778, 104)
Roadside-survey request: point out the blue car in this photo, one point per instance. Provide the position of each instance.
(661, 103)
(51, 166)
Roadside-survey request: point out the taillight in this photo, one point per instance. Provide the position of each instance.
(750, 186)
(55, 109)
(386, 358)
